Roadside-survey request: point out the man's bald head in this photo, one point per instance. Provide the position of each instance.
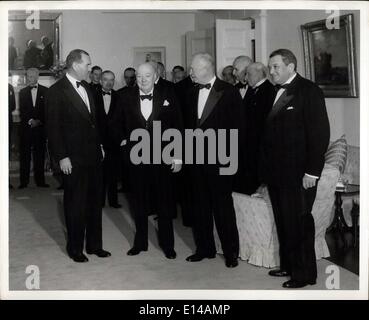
(202, 68)
(240, 65)
(146, 76)
(256, 72)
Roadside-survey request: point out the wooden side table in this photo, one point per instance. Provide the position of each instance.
(339, 223)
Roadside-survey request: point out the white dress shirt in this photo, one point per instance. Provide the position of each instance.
(281, 90)
(34, 95)
(107, 101)
(243, 91)
(203, 97)
(146, 105)
(80, 90)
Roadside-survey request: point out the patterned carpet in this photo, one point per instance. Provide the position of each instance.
(36, 237)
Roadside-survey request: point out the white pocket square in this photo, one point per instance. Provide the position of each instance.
(166, 103)
(290, 108)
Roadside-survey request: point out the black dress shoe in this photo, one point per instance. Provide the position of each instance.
(100, 253)
(43, 185)
(135, 251)
(294, 284)
(116, 205)
(79, 258)
(278, 273)
(22, 186)
(170, 254)
(198, 257)
(231, 263)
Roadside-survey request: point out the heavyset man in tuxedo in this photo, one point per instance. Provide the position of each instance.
(76, 146)
(294, 142)
(152, 184)
(32, 131)
(212, 104)
(106, 103)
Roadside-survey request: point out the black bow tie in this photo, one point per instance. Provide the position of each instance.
(79, 83)
(146, 96)
(241, 85)
(104, 93)
(279, 86)
(205, 86)
(33, 87)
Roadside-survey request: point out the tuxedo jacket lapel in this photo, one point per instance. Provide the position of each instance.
(76, 99)
(214, 96)
(137, 107)
(91, 101)
(285, 98)
(156, 103)
(194, 96)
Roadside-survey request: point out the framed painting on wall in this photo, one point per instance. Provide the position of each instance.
(145, 54)
(329, 55)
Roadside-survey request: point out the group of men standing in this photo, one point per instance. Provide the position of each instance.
(283, 133)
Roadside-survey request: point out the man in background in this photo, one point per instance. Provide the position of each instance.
(95, 77)
(106, 104)
(32, 130)
(178, 74)
(228, 76)
(47, 53)
(12, 54)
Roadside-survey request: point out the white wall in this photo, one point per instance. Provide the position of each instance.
(283, 31)
(109, 38)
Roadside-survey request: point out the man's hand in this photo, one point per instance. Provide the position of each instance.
(65, 166)
(34, 123)
(176, 165)
(308, 182)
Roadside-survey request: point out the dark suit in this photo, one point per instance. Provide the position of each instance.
(257, 104)
(111, 161)
(295, 140)
(72, 132)
(32, 140)
(183, 183)
(151, 184)
(47, 56)
(212, 192)
(12, 106)
(32, 58)
(95, 87)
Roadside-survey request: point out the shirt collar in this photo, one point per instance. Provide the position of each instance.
(105, 91)
(72, 79)
(259, 83)
(144, 94)
(290, 78)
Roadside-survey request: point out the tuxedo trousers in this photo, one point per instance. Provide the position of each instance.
(152, 193)
(32, 143)
(82, 208)
(212, 201)
(111, 173)
(292, 208)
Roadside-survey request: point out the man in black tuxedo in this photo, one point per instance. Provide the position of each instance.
(106, 104)
(240, 65)
(143, 107)
(212, 104)
(11, 101)
(95, 77)
(47, 53)
(292, 152)
(257, 103)
(32, 138)
(75, 144)
(183, 181)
